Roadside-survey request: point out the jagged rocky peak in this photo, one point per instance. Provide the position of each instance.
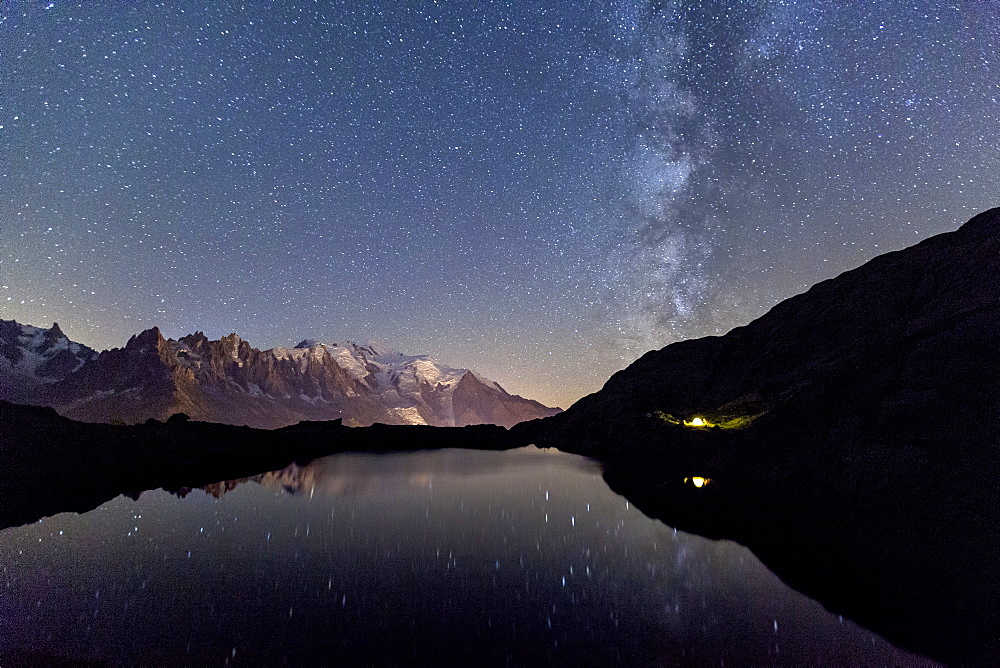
(197, 341)
(231, 340)
(234, 347)
(54, 333)
(151, 337)
(37, 339)
(35, 356)
(17, 341)
(901, 340)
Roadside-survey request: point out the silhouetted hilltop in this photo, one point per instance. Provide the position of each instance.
(849, 437)
(903, 347)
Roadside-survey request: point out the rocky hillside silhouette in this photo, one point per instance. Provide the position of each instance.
(903, 348)
(850, 437)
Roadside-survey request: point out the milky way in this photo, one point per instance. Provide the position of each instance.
(540, 191)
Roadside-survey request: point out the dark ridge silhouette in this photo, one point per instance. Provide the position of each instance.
(850, 435)
(901, 348)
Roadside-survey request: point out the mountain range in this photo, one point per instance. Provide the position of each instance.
(229, 381)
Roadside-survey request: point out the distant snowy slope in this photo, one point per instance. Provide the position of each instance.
(34, 356)
(416, 388)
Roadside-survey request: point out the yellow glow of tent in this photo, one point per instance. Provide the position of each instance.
(696, 422)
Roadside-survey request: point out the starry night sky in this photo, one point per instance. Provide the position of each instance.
(541, 191)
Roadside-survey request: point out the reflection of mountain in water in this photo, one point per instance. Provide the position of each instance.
(50, 464)
(865, 556)
(450, 557)
(360, 474)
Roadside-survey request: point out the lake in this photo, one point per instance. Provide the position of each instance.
(518, 557)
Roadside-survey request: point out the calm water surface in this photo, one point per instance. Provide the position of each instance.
(518, 557)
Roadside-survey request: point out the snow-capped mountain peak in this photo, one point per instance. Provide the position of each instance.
(32, 356)
(383, 368)
(417, 388)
